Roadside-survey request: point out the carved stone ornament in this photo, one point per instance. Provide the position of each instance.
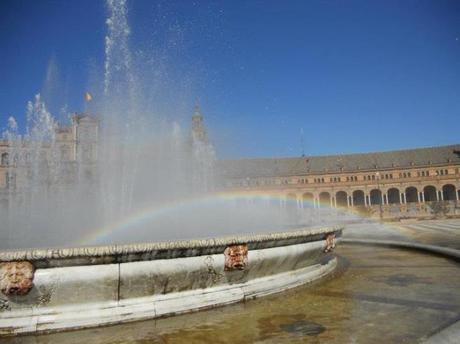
(16, 278)
(236, 257)
(330, 243)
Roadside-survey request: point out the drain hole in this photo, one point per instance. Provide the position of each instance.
(303, 327)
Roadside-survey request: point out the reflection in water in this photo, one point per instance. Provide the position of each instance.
(402, 280)
(379, 295)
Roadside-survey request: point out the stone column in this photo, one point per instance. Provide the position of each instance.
(418, 196)
(441, 194)
(351, 201)
(383, 197)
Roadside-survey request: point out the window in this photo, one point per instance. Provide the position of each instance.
(10, 180)
(5, 159)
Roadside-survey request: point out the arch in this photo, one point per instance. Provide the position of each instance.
(291, 200)
(5, 159)
(429, 193)
(375, 196)
(393, 196)
(449, 192)
(411, 194)
(308, 199)
(341, 199)
(358, 198)
(325, 199)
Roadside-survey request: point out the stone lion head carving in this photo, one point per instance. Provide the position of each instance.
(236, 257)
(16, 278)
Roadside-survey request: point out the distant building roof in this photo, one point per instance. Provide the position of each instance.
(279, 167)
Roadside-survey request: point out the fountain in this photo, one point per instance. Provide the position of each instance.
(118, 216)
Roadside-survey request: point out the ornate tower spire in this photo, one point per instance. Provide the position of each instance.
(198, 130)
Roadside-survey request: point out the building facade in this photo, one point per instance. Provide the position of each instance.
(397, 184)
(74, 149)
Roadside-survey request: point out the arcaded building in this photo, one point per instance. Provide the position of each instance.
(395, 184)
(403, 183)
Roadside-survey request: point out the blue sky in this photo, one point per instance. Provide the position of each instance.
(357, 76)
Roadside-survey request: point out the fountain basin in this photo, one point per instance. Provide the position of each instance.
(74, 288)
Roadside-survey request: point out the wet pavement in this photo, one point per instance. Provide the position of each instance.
(378, 295)
(432, 232)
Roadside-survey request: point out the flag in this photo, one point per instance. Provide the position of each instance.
(88, 97)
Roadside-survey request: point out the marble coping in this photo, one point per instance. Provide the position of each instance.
(92, 255)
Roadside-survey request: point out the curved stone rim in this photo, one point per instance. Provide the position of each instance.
(275, 239)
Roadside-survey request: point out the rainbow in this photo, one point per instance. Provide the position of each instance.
(150, 213)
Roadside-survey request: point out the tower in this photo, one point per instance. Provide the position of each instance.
(198, 130)
(203, 154)
(85, 130)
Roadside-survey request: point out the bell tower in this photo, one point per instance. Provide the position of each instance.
(198, 130)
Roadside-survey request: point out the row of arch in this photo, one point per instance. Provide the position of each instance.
(410, 194)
